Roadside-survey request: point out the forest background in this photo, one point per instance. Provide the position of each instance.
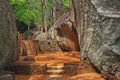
(39, 14)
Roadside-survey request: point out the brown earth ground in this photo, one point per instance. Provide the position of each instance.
(85, 70)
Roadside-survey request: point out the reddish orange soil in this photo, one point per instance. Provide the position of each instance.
(85, 71)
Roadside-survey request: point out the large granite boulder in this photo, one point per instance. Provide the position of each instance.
(98, 26)
(8, 30)
(64, 31)
(67, 37)
(107, 7)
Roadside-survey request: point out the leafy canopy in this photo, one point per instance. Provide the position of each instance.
(27, 11)
(66, 3)
(30, 11)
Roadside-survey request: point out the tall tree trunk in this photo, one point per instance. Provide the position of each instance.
(42, 4)
(72, 11)
(54, 11)
(45, 15)
(8, 33)
(58, 9)
(28, 28)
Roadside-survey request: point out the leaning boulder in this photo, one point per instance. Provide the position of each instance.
(8, 31)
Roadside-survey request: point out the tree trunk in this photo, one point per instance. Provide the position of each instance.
(54, 12)
(59, 9)
(8, 33)
(72, 11)
(45, 15)
(42, 4)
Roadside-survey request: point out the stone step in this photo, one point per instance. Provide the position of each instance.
(55, 67)
(37, 58)
(55, 76)
(55, 71)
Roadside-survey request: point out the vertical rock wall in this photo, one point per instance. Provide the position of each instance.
(99, 34)
(7, 35)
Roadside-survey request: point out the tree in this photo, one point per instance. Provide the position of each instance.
(27, 11)
(45, 15)
(38, 12)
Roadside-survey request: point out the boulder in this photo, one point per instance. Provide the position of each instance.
(98, 27)
(107, 7)
(8, 53)
(65, 33)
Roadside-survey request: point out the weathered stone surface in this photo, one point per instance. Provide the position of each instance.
(71, 68)
(6, 75)
(107, 7)
(64, 31)
(39, 42)
(67, 38)
(99, 33)
(28, 67)
(8, 30)
(29, 47)
(49, 45)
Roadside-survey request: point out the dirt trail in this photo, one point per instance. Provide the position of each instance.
(84, 71)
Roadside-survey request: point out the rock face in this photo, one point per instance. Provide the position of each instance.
(98, 26)
(6, 75)
(7, 35)
(37, 42)
(65, 33)
(67, 38)
(107, 7)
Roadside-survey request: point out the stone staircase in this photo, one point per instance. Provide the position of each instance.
(48, 66)
(55, 72)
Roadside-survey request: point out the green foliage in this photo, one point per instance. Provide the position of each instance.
(26, 11)
(17, 1)
(66, 3)
(31, 11)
